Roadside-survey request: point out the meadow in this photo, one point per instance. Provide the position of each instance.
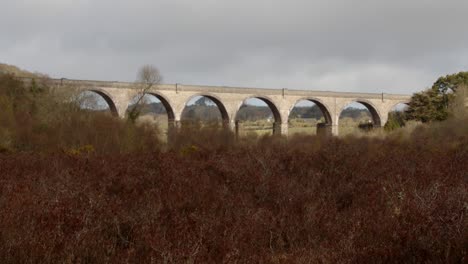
(302, 126)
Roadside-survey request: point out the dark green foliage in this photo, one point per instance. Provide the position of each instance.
(355, 113)
(253, 112)
(200, 112)
(434, 104)
(366, 126)
(315, 112)
(427, 106)
(396, 120)
(306, 112)
(450, 83)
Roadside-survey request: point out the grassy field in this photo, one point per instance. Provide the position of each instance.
(262, 127)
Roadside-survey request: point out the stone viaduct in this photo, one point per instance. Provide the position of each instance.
(229, 100)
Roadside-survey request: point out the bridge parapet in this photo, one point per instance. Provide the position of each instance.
(221, 89)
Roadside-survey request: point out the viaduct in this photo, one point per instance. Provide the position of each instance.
(174, 97)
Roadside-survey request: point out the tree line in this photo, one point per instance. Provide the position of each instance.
(446, 98)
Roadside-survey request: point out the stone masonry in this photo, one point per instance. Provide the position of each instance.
(229, 100)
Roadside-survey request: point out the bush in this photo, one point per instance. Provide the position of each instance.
(32, 119)
(395, 120)
(351, 200)
(80, 187)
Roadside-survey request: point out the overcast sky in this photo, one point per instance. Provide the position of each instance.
(398, 46)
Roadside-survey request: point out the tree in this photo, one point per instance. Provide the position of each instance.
(451, 83)
(148, 77)
(396, 120)
(434, 103)
(427, 106)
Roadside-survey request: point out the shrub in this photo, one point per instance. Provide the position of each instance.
(80, 187)
(32, 119)
(302, 200)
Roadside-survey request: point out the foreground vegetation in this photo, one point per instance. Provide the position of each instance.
(331, 201)
(81, 187)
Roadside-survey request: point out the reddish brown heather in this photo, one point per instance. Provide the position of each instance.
(304, 201)
(80, 187)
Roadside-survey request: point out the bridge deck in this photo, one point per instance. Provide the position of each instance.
(223, 89)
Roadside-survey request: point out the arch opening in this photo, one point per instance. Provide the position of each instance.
(97, 101)
(153, 109)
(259, 116)
(205, 111)
(309, 116)
(358, 116)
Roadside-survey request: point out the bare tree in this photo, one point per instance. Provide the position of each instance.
(148, 77)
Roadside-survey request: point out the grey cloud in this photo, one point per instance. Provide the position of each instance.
(365, 45)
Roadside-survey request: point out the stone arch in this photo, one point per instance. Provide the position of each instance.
(171, 117)
(322, 128)
(107, 97)
(219, 103)
(167, 105)
(321, 105)
(273, 107)
(376, 116)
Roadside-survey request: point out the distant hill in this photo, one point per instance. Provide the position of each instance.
(355, 113)
(11, 69)
(153, 108)
(306, 112)
(253, 112)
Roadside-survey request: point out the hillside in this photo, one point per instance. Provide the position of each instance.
(11, 69)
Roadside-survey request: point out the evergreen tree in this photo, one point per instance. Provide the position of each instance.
(434, 104)
(395, 120)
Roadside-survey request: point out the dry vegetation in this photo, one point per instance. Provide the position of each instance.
(34, 119)
(80, 187)
(11, 69)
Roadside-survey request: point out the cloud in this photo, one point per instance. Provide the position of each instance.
(366, 46)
